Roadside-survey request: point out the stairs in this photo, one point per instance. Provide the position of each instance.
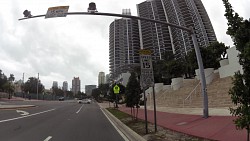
(217, 92)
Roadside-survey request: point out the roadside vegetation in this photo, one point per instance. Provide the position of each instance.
(162, 134)
(239, 30)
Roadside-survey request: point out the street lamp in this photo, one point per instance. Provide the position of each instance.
(189, 30)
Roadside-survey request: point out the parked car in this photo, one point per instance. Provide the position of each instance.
(61, 99)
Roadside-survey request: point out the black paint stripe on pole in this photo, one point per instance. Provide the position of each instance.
(145, 109)
(154, 109)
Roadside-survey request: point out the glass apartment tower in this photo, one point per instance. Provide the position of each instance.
(160, 38)
(124, 45)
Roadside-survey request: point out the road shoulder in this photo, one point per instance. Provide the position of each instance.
(129, 133)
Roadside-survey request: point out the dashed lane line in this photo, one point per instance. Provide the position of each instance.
(48, 138)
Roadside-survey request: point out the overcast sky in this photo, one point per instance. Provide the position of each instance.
(62, 48)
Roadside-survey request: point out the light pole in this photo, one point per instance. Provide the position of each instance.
(189, 30)
(37, 86)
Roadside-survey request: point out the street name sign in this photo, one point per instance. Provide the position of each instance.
(147, 75)
(59, 11)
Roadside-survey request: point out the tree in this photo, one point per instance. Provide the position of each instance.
(133, 93)
(69, 94)
(96, 94)
(211, 55)
(168, 68)
(104, 88)
(31, 86)
(219, 50)
(11, 78)
(3, 80)
(57, 91)
(175, 68)
(239, 30)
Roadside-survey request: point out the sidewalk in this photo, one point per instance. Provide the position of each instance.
(215, 127)
(4, 105)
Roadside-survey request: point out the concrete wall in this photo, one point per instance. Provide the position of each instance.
(228, 69)
(209, 74)
(176, 83)
(123, 78)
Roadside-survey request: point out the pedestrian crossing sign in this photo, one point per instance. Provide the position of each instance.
(116, 89)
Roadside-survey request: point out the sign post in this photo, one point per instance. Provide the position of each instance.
(147, 80)
(116, 90)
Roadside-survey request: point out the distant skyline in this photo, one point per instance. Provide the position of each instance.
(60, 49)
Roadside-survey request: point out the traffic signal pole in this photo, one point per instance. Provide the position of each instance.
(189, 30)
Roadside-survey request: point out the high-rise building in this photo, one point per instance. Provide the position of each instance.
(101, 78)
(65, 86)
(89, 88)
(160, 38)
(55, 84)
(76, 85)
(124, 45)
(107, 80)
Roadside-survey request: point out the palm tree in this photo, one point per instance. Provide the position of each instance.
(11, 79)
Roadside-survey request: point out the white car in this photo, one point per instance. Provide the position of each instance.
(84, 101)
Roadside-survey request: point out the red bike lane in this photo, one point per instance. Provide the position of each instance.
(219, 128)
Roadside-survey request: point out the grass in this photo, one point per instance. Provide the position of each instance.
(118, 114)
(139, 127)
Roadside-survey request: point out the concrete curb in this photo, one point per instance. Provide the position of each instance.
(129, 133)
(9, 107)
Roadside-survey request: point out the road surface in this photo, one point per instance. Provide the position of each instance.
(56, 121)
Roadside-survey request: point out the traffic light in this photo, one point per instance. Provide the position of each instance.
(92, 7)
(27, 14)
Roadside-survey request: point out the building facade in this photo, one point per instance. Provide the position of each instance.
(76, 85)
(89, 88)
(160, 38)
(101, 78)
(55, 84)
(124, 45)
(107, 79)
(65, 86)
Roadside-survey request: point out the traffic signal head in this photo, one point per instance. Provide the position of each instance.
(92, 7)
(27, 14)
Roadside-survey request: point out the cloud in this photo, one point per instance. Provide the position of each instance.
(62, 48)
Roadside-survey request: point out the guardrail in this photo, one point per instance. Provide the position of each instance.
(190, 94)
(193, 91)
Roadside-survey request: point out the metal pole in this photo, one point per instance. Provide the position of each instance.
(154, 108)
(37, 86)
(202, 76)
(116, 103)
(189, 30)
(145, 109)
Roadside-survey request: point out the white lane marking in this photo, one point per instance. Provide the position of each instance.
(79, 109)
(117, 129)
(26, 116)
(23, 113)
(48, 138)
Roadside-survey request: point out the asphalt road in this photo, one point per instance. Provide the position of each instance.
(56, 121)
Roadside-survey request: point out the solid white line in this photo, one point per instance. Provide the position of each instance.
(118, 130)
(48, 138)
(79, 109)
(26, 116)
